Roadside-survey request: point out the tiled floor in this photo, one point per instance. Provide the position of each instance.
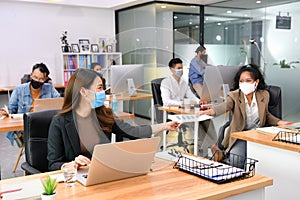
(8, 153)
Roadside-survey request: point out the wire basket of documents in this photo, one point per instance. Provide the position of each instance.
(292, 136)
(235, 167)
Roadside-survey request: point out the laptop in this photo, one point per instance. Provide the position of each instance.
(48, 104)
(115, 161)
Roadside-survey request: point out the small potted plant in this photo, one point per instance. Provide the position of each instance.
(284, 64)
(49, 186)
(64, 41)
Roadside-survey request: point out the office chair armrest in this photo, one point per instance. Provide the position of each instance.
(29, 170)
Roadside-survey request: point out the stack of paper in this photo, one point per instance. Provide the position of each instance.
(189, 118)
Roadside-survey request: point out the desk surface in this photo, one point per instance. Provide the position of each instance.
(126, 97)
(11, 88)
(265, 139)
(9, 124)
(165, 183)
(176, 110)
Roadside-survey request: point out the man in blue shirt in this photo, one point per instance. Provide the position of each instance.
(197, 70)
(23, 96)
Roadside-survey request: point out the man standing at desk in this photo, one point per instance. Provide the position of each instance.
(197, 70)
(174, 89)
(23, 96)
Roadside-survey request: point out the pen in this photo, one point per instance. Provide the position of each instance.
(9, 191)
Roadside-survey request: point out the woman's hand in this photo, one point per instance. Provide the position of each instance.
(82, 161)
(284, 123)
(3, 112)
(171, 126)
(209, 112)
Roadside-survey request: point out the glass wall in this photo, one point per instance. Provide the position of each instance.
(153, 33)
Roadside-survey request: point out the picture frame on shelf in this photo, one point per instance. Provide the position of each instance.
(84, 45)
(109, 48)
(75, 48)
(66, 49)
(94, 48)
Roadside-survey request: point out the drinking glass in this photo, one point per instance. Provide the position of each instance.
(69, 172)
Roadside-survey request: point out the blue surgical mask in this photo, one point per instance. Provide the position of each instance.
(100, 72)
(99, 99)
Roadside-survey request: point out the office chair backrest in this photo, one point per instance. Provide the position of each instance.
(155, 87)
(36, 126)
(275, 103)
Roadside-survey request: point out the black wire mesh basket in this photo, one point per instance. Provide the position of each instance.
(288, 137)
(234, 167)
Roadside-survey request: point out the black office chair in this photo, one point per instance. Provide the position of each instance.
(274, 107)
(155, 87)
(36, 126)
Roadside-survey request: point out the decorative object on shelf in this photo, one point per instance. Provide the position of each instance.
(84, 45)
(64, 41)
(95, 48)
(49, 186)
(284, 64)
(102, 44)
(75, 48)
(109, 48)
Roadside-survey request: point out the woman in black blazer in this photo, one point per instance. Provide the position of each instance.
(84, 121)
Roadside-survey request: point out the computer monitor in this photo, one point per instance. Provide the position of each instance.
(119, 74)
(214, 79)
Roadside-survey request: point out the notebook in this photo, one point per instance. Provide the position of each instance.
(115, 161)
(48, 104)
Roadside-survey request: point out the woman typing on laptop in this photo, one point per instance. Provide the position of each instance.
(84, 121)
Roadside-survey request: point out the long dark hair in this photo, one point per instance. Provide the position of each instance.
(84, 78)
(255, 74)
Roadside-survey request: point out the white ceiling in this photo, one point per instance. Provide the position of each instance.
(117, 4)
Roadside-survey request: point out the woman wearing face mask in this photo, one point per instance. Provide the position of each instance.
(248, 104)
(84, 121)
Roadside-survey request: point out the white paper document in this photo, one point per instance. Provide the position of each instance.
(189, 118)
(271, 129)
(31, 189)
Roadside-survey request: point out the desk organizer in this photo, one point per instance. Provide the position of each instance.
(234, 167)
(292, 136)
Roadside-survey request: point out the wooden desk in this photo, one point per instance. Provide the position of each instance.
(138, 96)
(164, 183)
(278, 160)
(9, 124)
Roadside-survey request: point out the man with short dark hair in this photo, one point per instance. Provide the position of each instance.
(197, 70)
(23, 96)
(173, 90)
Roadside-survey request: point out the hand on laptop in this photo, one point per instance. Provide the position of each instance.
(82, 161)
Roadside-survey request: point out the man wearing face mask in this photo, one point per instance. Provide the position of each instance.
(174, 89)
(197, 69)
(23, 96)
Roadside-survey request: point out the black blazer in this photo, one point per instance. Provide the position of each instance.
(64, 142)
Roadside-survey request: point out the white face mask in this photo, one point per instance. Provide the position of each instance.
(178, 72)
(247, 88)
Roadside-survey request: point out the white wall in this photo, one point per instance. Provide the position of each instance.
(30, 33)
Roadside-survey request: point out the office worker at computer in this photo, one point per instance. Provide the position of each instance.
(174, 89)
(23, 96)
(98, 68)
(84, 121)
(197, 70)
(248, 104)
